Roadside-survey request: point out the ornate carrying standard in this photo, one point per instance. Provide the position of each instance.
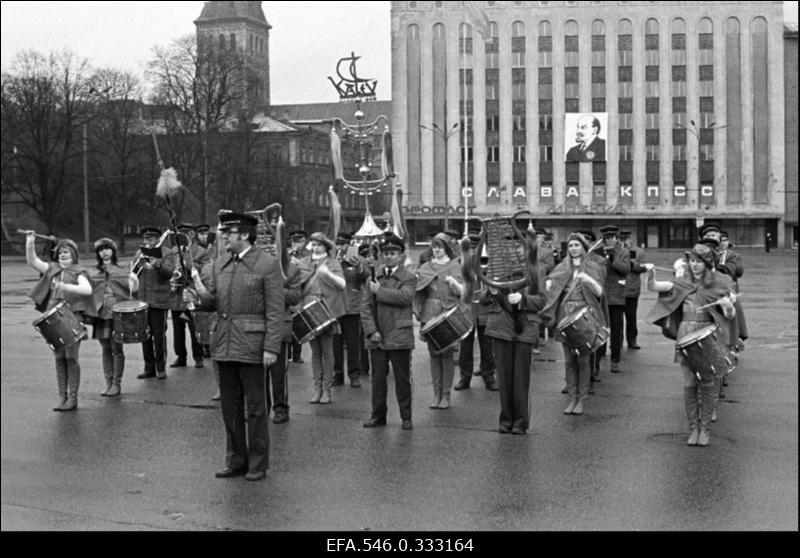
(507, 250)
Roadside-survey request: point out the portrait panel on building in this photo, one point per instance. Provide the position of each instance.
(585, 136)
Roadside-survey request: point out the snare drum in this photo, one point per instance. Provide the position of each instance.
(60, 327)
(446, 329)
(312, 319)
(703, 355)
(581, 331)
(130, 321)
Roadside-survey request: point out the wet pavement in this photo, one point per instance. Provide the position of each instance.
(145, 460)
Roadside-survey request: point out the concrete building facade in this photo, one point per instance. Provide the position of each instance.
(692, 93)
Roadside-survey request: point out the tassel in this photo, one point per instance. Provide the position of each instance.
(168, 183)
(398, 222)
(387, 163)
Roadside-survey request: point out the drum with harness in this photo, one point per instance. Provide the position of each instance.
(704, 356)
(130, 321)
(59, 327)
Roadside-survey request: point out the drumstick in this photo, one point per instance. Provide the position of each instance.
(44, 236)
(709, 305)
(667, 269)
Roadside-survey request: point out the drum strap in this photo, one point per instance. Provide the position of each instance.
(696, 317)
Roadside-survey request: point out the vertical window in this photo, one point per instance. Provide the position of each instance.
(545, 46)
(705, 44)
(518, 45)
(678, 84)
(598, 66)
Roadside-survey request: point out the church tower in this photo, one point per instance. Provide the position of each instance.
(241, 25)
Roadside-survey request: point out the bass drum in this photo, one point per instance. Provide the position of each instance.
(130, 321)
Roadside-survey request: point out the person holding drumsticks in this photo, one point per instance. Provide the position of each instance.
(61, 280)
(111, 283)
(327, 283)
(440, 287)
(686, 304)
(576, 283)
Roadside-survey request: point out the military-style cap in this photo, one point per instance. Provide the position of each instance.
(710, 242)
(240, 221)
(710, 226)
(548, 236)
(588, 234)
(150, 231)
(539, 230)
(344, 237)
(185, 227)
(202, 228)
(609, 230)
(624, 234)
(363, 250)
(298, 234)
(453, 234)
(393, 242)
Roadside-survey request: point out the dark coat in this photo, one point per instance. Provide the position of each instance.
(293, 293)
(730, 263)
(389, 310)
(618, 266)
(513, 324)
(248, 297)
(633, 282)
(355, 277)
(154, 282)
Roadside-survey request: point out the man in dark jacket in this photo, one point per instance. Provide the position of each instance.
(245, 288)
(633, 288)
(388, 328)
(618, 265)
(154, 276)
(355, 274)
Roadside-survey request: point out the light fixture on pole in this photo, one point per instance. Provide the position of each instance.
(700, 215)
(445, 136)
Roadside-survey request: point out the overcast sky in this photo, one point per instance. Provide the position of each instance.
(306, 40)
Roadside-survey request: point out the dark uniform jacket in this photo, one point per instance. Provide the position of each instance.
(730, 263)
(355, 277)
(516, 323)
(618, 265)
(248, 297)
(293, 293)
(389, 310)
(154, 282)
(633, 282)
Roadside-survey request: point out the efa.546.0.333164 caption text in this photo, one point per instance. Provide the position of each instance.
(399, 544)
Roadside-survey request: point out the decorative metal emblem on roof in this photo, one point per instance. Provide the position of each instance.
(351, 87)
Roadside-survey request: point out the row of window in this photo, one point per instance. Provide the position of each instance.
(653, 153)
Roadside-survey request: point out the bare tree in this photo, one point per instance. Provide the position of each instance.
(44, 103)
(205, 86)
(117, 148)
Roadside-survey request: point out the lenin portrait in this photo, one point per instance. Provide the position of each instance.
(588, 146)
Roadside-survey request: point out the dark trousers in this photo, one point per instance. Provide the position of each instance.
(513, 360)
(350, 340)
(240, 384)
(631, 331)
(466, 362)
(401, 366)
(294, 350)
(180, 319)
(154, 348)
(278, 396)
(616, 315)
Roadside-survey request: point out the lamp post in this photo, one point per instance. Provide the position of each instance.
(700, 217)
(436, 129)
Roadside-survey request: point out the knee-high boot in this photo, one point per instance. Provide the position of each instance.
(108, 369)
(436, 381)
(708, 395)
(327, 384)
(73, 383)
(448, 371)
(216, 396)
(61, 378)
(119, 368)
(690, 403)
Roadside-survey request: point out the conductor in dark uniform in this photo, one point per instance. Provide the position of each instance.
(388, 328)
(245, 288)
(618, 266)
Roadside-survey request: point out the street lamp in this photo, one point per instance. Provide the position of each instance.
(700, 217)
(445, 136)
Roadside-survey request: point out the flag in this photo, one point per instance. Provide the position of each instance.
(336, 155)
(479, 20)
(335, 213)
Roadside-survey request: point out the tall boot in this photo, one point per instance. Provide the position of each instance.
(448, 372)
(217, 396)
(445, 401)
(317, 391)
(61, 378)
(108, 369)
(73, 382)
(708, 395)
(690, 404)
(436, 381)
(327, 383)
(119, 368)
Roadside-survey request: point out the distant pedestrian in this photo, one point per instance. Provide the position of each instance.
(768, 242)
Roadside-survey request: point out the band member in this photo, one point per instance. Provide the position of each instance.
(111, 283)
(728, 261)
(202, 234)
(548, 242)
(355, 275)
(327, 283)
(618, 265)
(297, 253)
(193, 256)
(202, 320)
(245, 290)
(510, 324)
(546, 263)
(388, 328)
(574, 284)
(679, 311)
(154, 289)
(633, 288)
(440, 287)
(596, 356)
(61, 280)
(480, 314)
(368, 254)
